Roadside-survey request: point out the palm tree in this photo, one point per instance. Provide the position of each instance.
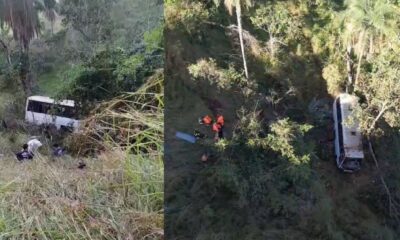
(237, 4)
(368, 20)
(22, 16)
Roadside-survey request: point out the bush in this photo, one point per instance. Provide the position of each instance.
(334, 79)
(224, 79)
(188, 15)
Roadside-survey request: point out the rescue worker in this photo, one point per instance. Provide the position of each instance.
(220, 120)
(25, 154)
(217, 129)
(206, 120)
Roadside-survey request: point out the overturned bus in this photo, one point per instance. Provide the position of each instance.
(44, 110)
(348, 139)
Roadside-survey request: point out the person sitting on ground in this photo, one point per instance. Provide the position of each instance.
(25, 154)
(206, 120)
(58, 151)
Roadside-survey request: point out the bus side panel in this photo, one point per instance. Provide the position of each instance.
(37, 118)
(46, 118)
(335, 118)
(63, 121)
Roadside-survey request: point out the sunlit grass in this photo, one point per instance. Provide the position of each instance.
(119, 195)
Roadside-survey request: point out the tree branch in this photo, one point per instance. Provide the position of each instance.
(382, 111)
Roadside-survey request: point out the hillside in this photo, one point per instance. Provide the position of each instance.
(274, 175)
(107, 57)
(119, 192)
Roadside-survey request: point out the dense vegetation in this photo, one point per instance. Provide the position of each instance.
(108, 57)
(273, 68)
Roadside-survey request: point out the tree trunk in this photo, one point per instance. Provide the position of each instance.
(239, 22)
(271, 47)
(380, 114)
(52, 28)
(349, 88)
(371, 46)
(361, 53)
(25, 72)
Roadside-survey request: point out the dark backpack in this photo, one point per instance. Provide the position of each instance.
(24, 155)
(20, 156)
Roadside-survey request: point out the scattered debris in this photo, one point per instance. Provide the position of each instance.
(186, 137)
(81, 164)
(204, 157)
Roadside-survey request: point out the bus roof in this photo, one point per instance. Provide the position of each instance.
(69, 103)
(352, 138)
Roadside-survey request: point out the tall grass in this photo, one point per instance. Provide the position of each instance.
(119, 195)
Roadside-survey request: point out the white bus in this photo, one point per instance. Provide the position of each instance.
(348, 138)
(44, 110)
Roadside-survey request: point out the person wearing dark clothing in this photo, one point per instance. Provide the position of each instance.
(199, 135)
(24, 154)
(58, 151)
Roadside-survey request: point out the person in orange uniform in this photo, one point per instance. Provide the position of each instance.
(220, 120)
(217, 128)
(206, 120)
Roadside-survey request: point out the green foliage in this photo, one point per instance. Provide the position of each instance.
(374, 17)
(269, 177)
(285, 137)
(95, 81)
(129, 67)
(280, 25)
(188, 15)
(154, 39)
(381, 93)
(335, 79)
(23, 18)
(105, 76)
(208, 70)
(287, 140)
(80, 15)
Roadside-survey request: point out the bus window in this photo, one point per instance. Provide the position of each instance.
(39, 107)
(65, 111)
(51, 109)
